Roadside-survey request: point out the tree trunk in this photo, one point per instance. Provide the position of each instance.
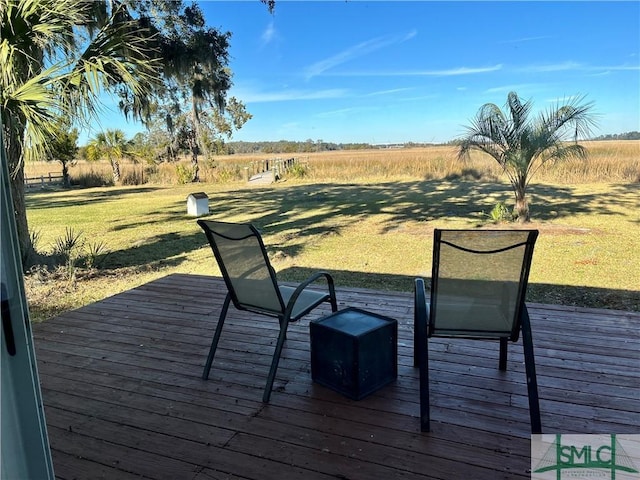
(195, 148)
(66, 181)
(15, 165)
(195, 168)
(522, 208)
(115, 165)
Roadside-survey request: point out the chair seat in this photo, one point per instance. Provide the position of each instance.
(472, 318)
(305, 302)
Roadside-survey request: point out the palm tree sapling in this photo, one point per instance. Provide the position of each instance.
(521, 143)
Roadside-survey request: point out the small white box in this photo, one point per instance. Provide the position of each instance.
(197, 204)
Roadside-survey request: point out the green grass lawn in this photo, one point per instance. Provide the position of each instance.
(374, 235)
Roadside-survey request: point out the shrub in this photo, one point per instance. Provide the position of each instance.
(133, 177)
(92, 179)
(96, 255)
(184, 173)
(500, 213)
(298, 170)
(228, 174)
(68, 248)
(35, 236)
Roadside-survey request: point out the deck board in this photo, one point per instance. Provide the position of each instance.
(124, 398)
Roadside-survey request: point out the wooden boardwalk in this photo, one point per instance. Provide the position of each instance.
(124, 398)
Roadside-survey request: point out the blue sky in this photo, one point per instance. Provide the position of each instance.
(378, 72)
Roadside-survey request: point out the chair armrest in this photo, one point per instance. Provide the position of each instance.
(420, 321)
(421, 312)
(313, 278)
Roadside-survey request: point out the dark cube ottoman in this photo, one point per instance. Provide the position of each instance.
(354, 352)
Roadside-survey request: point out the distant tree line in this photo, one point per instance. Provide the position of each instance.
(289, 146)
(620, 136)
(152, 146)
(308, 146)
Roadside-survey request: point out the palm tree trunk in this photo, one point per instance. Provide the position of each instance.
(115, 165)
(522, 207)
(13, 148)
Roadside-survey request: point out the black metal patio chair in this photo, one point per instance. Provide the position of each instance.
(478, 285)
(252, 285)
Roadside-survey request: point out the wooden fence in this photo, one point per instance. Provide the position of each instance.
(49, 180)
(279, 166)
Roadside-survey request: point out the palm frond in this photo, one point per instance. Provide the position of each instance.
(122, 57)
(31, 107)
(569, 121)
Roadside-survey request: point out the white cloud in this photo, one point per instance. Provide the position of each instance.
(564, 100)
(620, 67)
(601, 74)
(511, 88)
(451, 72)
(569, 65)
(268, 35)
(524, 39)
(339, 113)
(356, 51)
(552, 67)
(460, 71)
(421, 97)
(250, 96)
(387, 92)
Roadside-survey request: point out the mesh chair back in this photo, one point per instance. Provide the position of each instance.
(479, 281)
(244, 264)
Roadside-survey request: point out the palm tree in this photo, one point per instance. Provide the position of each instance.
(522, 144)
(63, 147)
(111, 145)
(57, 56)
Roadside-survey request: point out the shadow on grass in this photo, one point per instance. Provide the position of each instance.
(165, 250)
(318, 209)
(537, 292)
(81, 196)
(310, 210)
(305, 212)
(425, 200)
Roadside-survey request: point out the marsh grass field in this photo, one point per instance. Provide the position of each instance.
(365, 216)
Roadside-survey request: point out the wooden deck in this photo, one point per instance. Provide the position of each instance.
(124, 398)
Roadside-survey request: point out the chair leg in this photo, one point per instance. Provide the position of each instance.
(334, 303)
(530, 368)
(281, 322)
(420, 315)
(503, 354)
(276, 359)
(425, 411)
(421, 351)
(416, 341)
(216, 337)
